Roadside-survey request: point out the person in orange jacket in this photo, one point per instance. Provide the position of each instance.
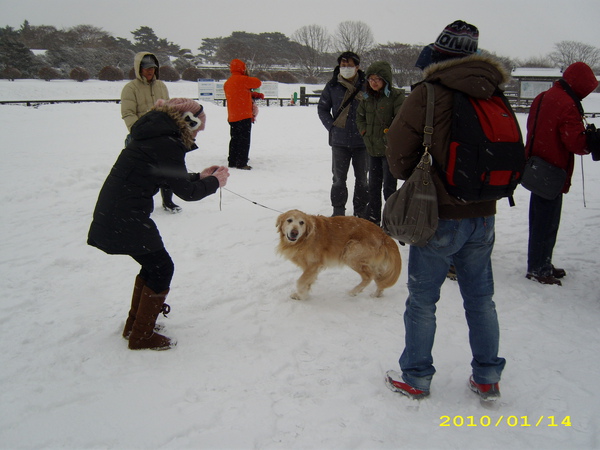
(240, 112)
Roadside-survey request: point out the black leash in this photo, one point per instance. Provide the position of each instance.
(241, 196)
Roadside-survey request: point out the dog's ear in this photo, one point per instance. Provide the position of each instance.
(309, 224)
(279, 221)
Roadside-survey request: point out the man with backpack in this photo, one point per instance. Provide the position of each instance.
(465, 233)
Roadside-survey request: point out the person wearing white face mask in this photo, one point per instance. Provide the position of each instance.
(337, 110)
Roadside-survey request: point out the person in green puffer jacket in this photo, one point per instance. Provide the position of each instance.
(373, 118)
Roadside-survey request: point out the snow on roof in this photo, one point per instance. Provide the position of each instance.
(531, 72)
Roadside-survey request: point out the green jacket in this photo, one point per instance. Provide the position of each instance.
(139, 96)
(375, 113)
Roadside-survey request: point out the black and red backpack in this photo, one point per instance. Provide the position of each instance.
(486, 155)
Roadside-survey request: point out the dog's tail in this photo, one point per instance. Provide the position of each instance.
(391, 264)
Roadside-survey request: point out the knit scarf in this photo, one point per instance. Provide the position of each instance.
(341, 119)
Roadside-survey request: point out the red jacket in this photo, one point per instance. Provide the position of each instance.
(559, 131)
(237, 92)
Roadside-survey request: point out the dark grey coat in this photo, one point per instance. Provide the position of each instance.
(328, 106)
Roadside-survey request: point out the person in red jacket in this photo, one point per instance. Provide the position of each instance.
(557, 117)
(240, 112)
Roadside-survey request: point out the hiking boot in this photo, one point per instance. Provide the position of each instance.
(172, 208)
(246, 167)
(167, 201)
(451, 275)
(394, 382)
(550, 279)
(487, 392)
(558, 273)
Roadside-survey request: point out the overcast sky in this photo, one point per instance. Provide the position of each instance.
(514, 28)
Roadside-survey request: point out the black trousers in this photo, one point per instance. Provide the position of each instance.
(157, 269)
(379, 178)
(239, 145)
(341, 159)
(544, 219)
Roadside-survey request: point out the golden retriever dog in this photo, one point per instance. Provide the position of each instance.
(316, 242)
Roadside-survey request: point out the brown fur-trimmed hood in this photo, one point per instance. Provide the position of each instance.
(163, 121)
(187, 135)
(475, 75)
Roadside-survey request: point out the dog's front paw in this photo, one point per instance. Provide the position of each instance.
(297, 296)
(357, 290)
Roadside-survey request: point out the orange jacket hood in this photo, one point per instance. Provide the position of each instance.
(237, 66)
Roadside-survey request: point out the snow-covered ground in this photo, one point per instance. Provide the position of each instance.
(254, 368)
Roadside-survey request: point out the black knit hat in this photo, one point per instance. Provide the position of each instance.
(457, 40)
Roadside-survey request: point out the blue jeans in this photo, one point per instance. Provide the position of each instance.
(340, 164)
(468, 244)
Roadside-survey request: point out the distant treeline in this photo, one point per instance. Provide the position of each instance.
(307, 56)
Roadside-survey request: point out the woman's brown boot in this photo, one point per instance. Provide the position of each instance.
(142, 334)
(135, 303)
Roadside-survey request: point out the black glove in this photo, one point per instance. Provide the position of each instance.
(592, 136)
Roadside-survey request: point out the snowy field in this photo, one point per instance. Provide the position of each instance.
(254, 369)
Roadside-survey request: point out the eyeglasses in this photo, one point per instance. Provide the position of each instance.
(374, 79)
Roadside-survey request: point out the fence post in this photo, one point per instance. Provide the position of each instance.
(303, 99)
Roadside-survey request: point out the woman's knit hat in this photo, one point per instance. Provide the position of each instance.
(192, 111)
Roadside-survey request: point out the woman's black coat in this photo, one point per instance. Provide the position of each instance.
(155, 157)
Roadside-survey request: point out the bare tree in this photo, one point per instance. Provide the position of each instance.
(354, 36)
(535, 61)
(568, 52)
(314, 42)
(89, 36)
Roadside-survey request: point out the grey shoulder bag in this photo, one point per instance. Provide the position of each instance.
(539, 176)
(410, 214)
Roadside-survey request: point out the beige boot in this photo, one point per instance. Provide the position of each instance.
(135, 303)
(142, 334)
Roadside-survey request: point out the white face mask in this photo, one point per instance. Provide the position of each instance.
(347, 72)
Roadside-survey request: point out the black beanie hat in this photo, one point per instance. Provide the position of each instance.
(457, 40)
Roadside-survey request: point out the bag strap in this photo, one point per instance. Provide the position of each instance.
(537, 114)
(348, 100)
(428, 130)
(427, 159)
(569, 90)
